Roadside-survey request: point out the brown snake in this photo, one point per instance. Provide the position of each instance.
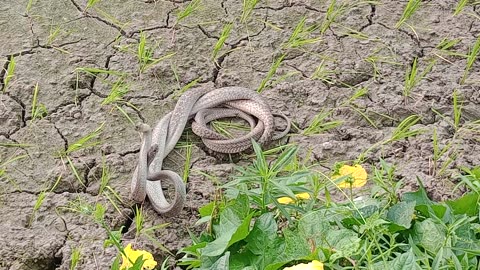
(205, 105)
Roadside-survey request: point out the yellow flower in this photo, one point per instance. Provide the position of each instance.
(148, 261)
(314, 265)
(288, 200)
(303, 196)
(357, 176)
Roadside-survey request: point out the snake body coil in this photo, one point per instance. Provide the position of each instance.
(204, 105)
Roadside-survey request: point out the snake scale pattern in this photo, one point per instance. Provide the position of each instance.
(203, 105)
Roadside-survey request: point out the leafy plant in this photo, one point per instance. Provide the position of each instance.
(471, 179)
(369, 232)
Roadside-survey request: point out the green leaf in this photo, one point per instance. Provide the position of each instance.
(316, 229)
(467, 204)
(284, 159)
(345, 242)
(242, 231)
(420, 196)
(263, 233)
(116, 264)
(233, 226)
(207, 209)
(296, 248)
(221, 263)
(406, 261)
(113, 238)
(242, 261)
(361, 216)
(138, 265)
(314, 226)
(429, 235)
(401, 215)
(261, 240)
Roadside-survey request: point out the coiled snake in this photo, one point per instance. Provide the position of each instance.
(204, 105)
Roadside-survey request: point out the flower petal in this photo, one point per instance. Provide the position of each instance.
(313, 265)
(303, 196)
(285, 200)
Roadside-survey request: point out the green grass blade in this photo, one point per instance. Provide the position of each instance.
(271, 72)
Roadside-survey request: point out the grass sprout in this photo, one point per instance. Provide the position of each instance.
(115, 98)
(320, 124)
(40, 199)
(460, 6)
(471, 58)
(145, 54)
(413, 77)
(221, 40)
(247, 9)
(411, 7)
(3, 169)
(139, 221)
(323, 73)
(188, 160)
(105, 177)
(301, 36)
(375, 59)
(54, 32)
(186, 87)
(9, 74)
(225, 128)
(118, 91)
(87, 141)
(457, 110)
(29, 6)
(91, 3)
(333, 12)
(188, 10)
(38, 110)
(401, 132)
(438, 153)
(75, 258)
(271, 73)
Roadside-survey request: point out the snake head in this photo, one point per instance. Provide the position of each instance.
(142, 127)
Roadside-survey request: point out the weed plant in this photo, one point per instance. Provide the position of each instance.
(277, 213)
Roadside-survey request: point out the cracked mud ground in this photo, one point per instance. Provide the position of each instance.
(52, 43)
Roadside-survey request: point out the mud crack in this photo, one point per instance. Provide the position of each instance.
(88, 15)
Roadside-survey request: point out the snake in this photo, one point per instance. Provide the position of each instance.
(203, 105)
